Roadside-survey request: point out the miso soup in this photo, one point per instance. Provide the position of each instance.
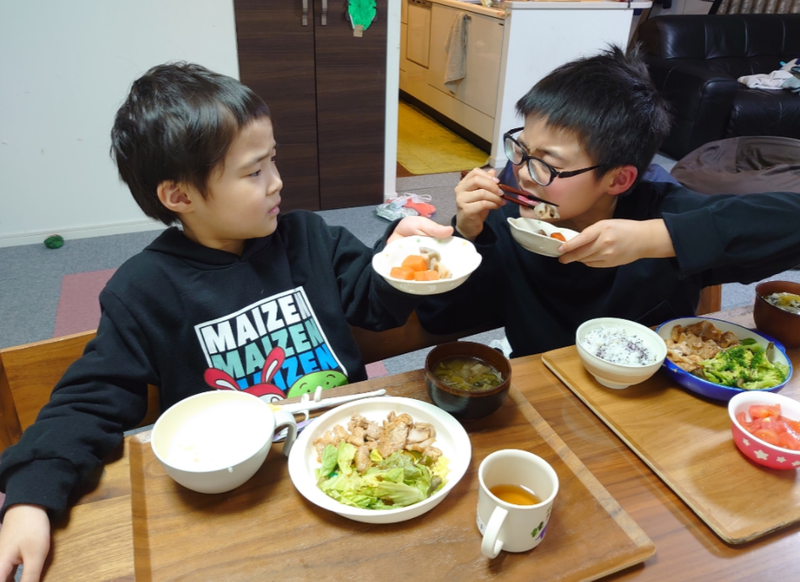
(466, 373)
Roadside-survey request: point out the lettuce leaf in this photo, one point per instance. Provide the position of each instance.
(397, 481)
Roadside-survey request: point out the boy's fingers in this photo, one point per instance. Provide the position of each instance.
(32, 571)
(7, 570)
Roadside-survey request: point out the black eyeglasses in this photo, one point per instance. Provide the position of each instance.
(542, 172)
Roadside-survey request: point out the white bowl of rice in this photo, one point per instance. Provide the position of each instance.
(619, 352)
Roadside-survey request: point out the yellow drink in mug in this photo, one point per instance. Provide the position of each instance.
(515, 501)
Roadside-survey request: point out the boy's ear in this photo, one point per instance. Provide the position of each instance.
(174, 196)
(621, 179)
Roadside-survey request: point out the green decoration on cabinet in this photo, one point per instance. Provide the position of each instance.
(361, 13)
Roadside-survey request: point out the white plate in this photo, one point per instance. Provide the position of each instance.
(458, 255)
(526, 232)
(451, 439)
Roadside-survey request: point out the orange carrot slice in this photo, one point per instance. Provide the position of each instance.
(402, 273)
(427, 275)
(415, 263)
(558, 236)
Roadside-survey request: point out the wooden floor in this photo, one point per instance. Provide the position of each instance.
(402, 172)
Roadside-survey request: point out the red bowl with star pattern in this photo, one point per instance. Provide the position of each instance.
(758, 450)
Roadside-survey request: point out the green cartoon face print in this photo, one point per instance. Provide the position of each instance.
(308, 383)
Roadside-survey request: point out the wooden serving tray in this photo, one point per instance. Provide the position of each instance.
(266, 530)
(686, 440)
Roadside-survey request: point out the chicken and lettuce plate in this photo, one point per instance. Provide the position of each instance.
(380, 465)
(380, 460)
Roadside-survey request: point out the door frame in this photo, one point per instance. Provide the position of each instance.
(394, 8)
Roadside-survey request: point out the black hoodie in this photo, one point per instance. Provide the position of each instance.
(188, 318)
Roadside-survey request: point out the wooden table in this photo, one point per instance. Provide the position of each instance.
(97, 540)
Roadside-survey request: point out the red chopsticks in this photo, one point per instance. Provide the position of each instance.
(518, 196)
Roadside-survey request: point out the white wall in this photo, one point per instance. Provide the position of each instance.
(65, 67)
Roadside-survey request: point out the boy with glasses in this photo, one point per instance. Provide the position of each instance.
(645, 249)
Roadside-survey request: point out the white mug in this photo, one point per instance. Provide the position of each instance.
(510, 526)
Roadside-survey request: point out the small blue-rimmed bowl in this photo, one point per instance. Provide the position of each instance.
(710, 389)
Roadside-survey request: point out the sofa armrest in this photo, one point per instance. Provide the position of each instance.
(701, 101)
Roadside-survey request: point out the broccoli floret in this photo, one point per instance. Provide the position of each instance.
(744, 365)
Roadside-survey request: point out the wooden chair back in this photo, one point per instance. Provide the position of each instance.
(710, 300)
(29, 372)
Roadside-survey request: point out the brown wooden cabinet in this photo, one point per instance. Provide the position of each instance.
(327, 92)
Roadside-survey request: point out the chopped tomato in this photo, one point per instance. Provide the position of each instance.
(767, 435)
(772, 423)
(764, 410)
(769, 425)
(787, 440)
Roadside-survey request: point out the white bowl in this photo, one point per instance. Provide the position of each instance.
(526, 232)
(458, 255)
(214, 441)
(617, 375)
(451, 439)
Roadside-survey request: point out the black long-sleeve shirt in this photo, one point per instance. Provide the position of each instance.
(541, 302)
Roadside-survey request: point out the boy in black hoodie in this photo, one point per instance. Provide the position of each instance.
(239, 297)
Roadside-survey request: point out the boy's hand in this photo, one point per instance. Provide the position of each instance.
(419, 225)
(24, 539)
(615, 242)
(476, 195)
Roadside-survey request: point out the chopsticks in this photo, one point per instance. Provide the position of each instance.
(518, 196)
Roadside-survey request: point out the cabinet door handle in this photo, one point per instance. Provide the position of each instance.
(324, 18)
(305, 12)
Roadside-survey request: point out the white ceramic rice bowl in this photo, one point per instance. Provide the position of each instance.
(214, 441)
(620, 376)
(451, 439)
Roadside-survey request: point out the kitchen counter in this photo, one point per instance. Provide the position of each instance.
(509, 48)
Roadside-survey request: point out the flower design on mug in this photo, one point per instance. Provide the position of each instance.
(542, 527)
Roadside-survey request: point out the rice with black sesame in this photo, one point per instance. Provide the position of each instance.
(618, 346)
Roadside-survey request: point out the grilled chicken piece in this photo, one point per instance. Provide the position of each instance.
(374, 431)
(362, 459)
(420, 446)
(357, 435)
(421, 431)
(395, 433)
(432, 452)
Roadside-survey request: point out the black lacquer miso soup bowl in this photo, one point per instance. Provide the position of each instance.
(467, 379)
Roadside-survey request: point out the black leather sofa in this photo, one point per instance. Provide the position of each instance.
(695, 61)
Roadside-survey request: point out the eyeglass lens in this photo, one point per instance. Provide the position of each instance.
(536, 168)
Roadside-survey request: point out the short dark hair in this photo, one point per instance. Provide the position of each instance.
(177, 124)
(609, 101)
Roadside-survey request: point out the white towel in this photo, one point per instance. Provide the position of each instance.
(456, 49)
(770, 81)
